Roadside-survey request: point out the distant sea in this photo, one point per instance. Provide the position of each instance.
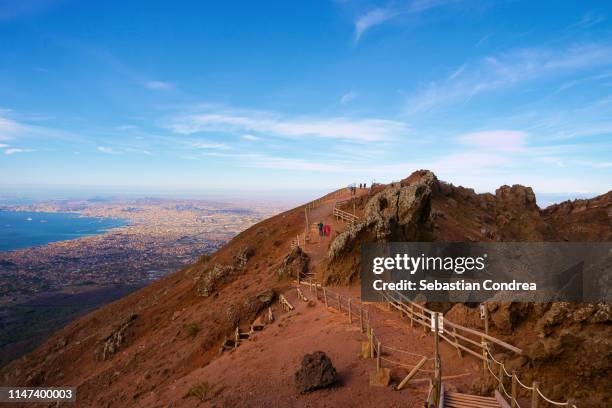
(23, 229)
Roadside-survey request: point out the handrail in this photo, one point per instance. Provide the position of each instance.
(466, 329)
(340, 213)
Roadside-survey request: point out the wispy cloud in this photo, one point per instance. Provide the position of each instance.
(11, 130)
(496, 140)
(250, 138)
(159, 85)
(377, 16)
(348, 97)
(370, 19)
(589, 20)
(209, 145)
(122, 150)
(108, 150)
(13, 150)
(281, 125)
(509, 69)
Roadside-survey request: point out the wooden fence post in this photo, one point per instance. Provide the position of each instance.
(325, 297)
(378, 356)
(361, 316)
(457, 343)
(411, 315)
(513, 402)
(484, 358)
(486, 320)
(371, 342)
(350, 314)
(411, 374)
(310, 284)
(534, 395)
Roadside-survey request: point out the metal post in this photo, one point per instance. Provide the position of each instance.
(534, 395)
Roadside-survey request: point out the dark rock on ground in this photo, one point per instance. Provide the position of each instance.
(315, 372)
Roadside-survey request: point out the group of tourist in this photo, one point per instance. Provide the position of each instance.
(324, 229)
(353, 189)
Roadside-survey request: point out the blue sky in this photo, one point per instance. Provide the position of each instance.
(197, 96)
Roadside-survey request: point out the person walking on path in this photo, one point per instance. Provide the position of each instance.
(320, 226)
(327, 230)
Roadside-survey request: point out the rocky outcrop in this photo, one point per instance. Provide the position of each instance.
(242, 256)
(250, 307)
(315, 372)
(209, 280)
(517, 196)
(400, 212)
(115, 339)
(294, 263)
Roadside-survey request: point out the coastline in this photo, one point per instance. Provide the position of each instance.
(81, 231)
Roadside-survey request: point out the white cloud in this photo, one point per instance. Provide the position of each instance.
(8, 129)
(378, 16)
(159, 85)
(250, 138)
(126, 127)
(11, 130)
(496, 140)
(589, 20)
(348, 97)
(245, 121)
(108, 150)
(509, 69)
(14, 150)
(371, 19)
(2, 145)
(209, 145)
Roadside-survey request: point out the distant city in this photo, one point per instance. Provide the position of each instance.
(147, 239)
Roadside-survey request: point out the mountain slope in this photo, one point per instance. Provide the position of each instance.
(153, 339)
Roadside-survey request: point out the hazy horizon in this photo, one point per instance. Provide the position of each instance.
(279, 196)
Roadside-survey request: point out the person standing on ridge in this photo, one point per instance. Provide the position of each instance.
(320, 226)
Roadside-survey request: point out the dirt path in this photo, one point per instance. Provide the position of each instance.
(316, 246)
(259, 373)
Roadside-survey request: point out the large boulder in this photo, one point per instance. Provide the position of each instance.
(295, 262)
(315, 372)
